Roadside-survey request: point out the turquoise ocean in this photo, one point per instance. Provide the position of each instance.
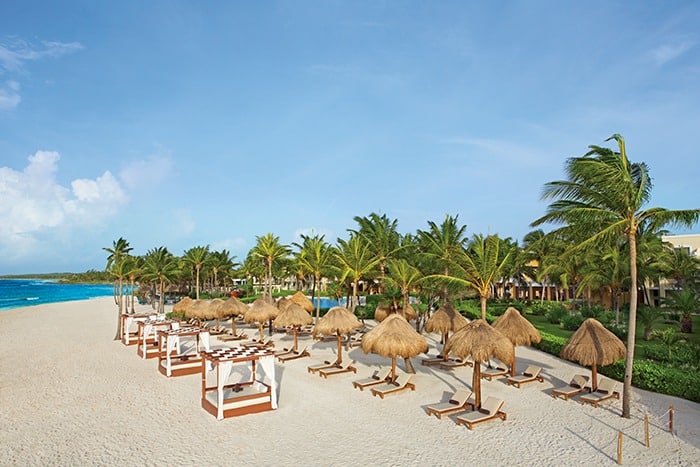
(15, 293)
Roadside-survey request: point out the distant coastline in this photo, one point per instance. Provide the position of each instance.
(24, 292)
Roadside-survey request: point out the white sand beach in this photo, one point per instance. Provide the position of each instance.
(71, 395)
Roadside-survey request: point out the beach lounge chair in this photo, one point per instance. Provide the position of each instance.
(455, 363)
(378, 377)
(434, 360)
(500, 369)
(230, 337)
(338, 369)
(606, 390)
(577, 385)
(294, 355)
(457, 403)
(531, 373)
(320, 366)
(489, 410)
(403, 381)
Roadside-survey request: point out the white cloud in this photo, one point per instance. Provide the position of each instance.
(146, 172)
(9, 95)
(35, 208)
(667, 52)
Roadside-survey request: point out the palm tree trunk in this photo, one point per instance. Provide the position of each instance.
(482, 299)
(631, 327)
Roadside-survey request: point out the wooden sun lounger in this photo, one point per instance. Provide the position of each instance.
(498, 371)
(531, 373)
(457, 403)
(229, 337)
(489, 410)
(456, 363)
(378, 377)
(435, 360)
(294, 356)
(337, 370)
(403, 381)
(577, 385)
(605, 391)
(320, 366)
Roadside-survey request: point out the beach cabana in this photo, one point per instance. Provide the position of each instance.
(293, 315)
(338, 321)
(259, 312)
(238, 381)
(178, 353)
(147, 339)
(394, 337)
(593, 345)
(445, 320)
(517, 329)
(129, 326)
(479, 341)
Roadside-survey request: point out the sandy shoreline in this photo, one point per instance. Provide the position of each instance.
(70, 395)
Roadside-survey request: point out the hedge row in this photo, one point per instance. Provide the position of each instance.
(646, 374)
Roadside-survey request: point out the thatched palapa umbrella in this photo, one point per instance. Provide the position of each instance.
(295, 316)
(301, 300)
(445, 320)
(282, 303)
(339, 320)
(213, 310)
(479, 341)
(182, 306)
(260, 311)
(593, 345)
(394, 337)
(230, 309)
(381, 312)
(197, 310)
(518, 329)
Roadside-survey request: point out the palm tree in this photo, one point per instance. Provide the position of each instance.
(604, 197)
(687, 302)
(117, 254)
(134, 269)
(354, 260)
(383, 237)
(316, 255)
(197, 257)
(161, 268)
(221, 262)
(270, 251)
(443, 243)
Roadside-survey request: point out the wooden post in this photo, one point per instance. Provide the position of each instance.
(619, 448)
(646, 430)
(670, 419)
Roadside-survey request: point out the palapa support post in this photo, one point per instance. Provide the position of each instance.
(619, 448)
(646, 430)
(670, 419)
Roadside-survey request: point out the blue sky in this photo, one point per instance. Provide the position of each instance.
(179, 124)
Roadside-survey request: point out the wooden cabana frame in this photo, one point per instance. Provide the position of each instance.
(129, 326)
(147, 338)
(172, 361)
(224, 399)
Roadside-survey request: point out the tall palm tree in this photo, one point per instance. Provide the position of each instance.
(316, 256)
(355, 260)
(161, 268)
(603, 197)
(383, 237)
(270, 251)
(443, 243)
(196, 257)
(220, 262)
(134, 269)
(117, 254)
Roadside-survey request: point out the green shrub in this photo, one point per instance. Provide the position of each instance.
(660, 378)
(550, 343)
(620, 330)
(556, 313)
(571, 322)
(540, 308)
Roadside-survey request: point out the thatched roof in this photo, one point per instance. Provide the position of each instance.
(282, 303)
(183, 305)
(260, 311)
(445, 319)
(381, 312)
(480, 341)
(232, 307)
(338, 320)
(394, 337)
(301, 300)
(213, 309)
(517, 328)
(293, 315)
(198, 309)
(410, 313)
(592, 344)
